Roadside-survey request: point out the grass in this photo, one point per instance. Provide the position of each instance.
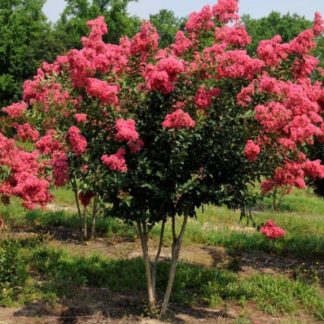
(48, 274)
(302, 218)
(53, 274)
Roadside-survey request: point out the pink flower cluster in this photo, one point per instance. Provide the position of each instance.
(81, 118)
(46, 94)
(178, 119)
(233, 36)
(60, 164)
(182, 44)
(25, 175)
(245, 96)
(271, 230)
(47, 144)
(115, 162)
(292, 174)
(145, 41)
(318, 27)
(226, 10)
(163, 76)
(15, 110)
(252, 151)
(204, 98)
(102, 90)
(238, 64)
(200, 21)
(77, 141)
(272, 52)
(126, 130)
(26, 132)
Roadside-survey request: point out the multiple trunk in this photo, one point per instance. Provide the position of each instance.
(150, 266)
(83, 216)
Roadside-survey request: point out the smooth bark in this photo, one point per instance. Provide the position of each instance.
(176, 247)
(142, 229)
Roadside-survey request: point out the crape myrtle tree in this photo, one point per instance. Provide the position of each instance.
(156, 133)
(288, 27)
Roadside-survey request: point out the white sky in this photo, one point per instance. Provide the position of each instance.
(256, 8)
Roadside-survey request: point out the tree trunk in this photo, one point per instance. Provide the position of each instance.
(75, 190)
(176, 247)
(94, 218)
(154, 265)
(85, 225)
(148, 271)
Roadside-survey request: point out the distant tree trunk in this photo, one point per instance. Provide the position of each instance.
(75, 191)
(94, 217)
(85, 224)
(176, 247)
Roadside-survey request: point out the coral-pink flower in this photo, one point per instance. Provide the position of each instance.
(182, 44)
(178, 119)
(200, 21)
(271, 230)
(318, 27)
(252, 151)
(47, 144)
(77, 141)
(144, 41)
(126, 130)
(163, 76)
(226, 10)
(102, 90)
(272, 52)
(81, 118)
(115, 162)
(204, 98)
(233, 36)
(60, 164)
(26, 132)
(16, 109)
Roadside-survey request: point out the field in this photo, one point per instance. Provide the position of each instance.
(229, 273)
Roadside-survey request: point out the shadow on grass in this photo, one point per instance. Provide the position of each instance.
(86, 287)
(64, 226)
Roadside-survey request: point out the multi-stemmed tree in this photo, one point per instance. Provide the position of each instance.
(155, 133)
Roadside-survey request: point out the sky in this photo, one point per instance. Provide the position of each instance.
(256, 8)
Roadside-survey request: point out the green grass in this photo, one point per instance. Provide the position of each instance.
(302, 218)
(48, 274)
(300, 201)
(64, 197)
(54, 274)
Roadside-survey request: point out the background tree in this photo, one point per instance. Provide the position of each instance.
(25, 41)
(167, 25)
(287, 26)
(72, 24)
